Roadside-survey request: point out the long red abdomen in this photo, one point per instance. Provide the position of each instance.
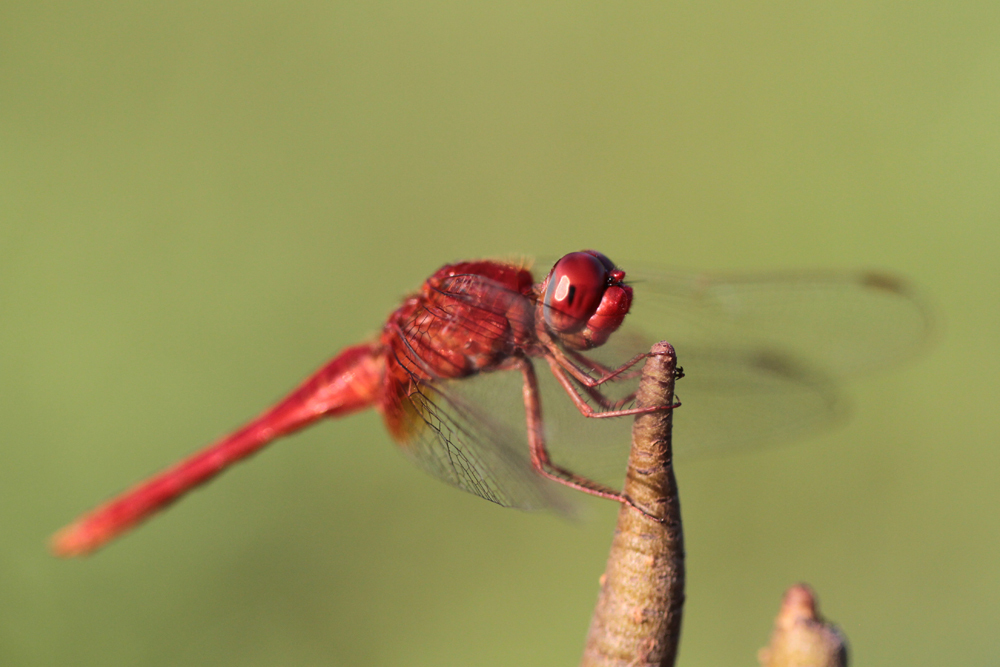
(350, 382)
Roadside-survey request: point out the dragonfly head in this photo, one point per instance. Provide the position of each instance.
(584, 299)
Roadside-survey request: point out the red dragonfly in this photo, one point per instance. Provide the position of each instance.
(769, 347)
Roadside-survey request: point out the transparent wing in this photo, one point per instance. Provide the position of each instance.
(842, 323)
(765, 358)
(737, 399)
(741, 401)
(457, 442)
(732, 400)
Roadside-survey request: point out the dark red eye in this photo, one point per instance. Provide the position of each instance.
(608, 264)
(575, 289)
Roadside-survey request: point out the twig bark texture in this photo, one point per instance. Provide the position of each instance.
(637, 620)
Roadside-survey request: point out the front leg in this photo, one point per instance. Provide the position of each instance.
(605, 372)
(540, 458)
(585, 408)
(580, 366)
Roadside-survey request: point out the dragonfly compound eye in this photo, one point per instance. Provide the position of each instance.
(575, 289)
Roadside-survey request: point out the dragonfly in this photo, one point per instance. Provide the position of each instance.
(763, 355)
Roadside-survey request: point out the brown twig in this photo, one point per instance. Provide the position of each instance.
(801, 637)
(637, 620)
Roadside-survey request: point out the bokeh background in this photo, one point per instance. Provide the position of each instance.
(201, 202)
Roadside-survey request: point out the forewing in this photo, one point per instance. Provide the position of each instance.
(764, 356)
(839, 323)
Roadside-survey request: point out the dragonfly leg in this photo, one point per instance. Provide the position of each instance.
(605, 372)
(573, 362)
(606, 404)
(540, 458)
(585, 408)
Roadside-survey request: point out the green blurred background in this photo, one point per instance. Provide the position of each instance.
(200, 203)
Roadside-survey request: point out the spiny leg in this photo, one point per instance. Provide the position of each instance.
(604, 371)
(578, 373)
(540, 458)
(585, 408)
(594, 392)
